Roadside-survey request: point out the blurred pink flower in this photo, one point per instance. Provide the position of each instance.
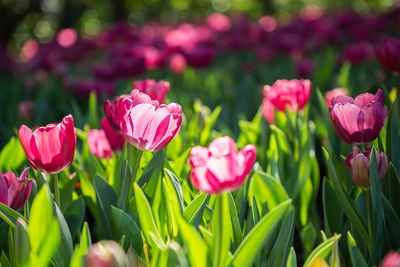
(334, 93)
(98, 144)
(177, 63)
(220, 168)
(392, 259)
(157, 90)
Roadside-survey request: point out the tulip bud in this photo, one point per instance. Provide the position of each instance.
(358, 164)
(106, 254)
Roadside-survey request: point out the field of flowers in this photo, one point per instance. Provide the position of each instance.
(226, 141)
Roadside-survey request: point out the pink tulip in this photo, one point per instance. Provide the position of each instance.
(220, 168)
(115, 139)
(51, 148)
(358, 164)
(388, 54)
(146, 124)
(156, 90)
(111, 111)
(177, 63)
(98, 144)
(334, 93)
(14, 192)
(358, 120)
(291, 93)
(392, 259)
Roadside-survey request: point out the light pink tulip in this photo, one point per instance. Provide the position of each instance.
(146, 124)
(220, 168)
(98, 144)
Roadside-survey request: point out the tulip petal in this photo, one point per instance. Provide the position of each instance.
(3, 189)
(345, 120)
(364, 99)
(223, 146)
(198, 156)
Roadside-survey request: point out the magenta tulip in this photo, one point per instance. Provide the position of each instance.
(115, 139)
(51, 148)
(156, 90)
(98, 144)
(358, 164)
(358, 120)
(220, 168)
(111, 111)
(388, 54)
(14, 192)
(146, 124)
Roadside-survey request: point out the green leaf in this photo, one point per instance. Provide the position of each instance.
(146, 219)
(333, 214)
(93, 118)
(237, 231)
(43, 230)
(283, 243)
(9, 215)
(347, 204)
(74, 215)
(322, 251)
(197, 249)
(105, 198)
(392, 136)
(221, 230)
(193, 212)
(256, 238)
(12, 155)
(126, 179)
(179, 163)
(123, 224)
(357, 258)
(308, 236)
(151, 173)
(86, 240)
(381, 238)
(22, 247)
(208, 125)
(267, 190)
(292, 260)
(343, 77)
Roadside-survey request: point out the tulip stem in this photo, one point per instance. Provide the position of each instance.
(137, 162)
(368, 206)
(56, 190)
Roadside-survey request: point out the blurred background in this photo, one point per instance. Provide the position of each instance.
(22, 20)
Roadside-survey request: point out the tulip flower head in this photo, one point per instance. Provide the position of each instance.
(220, 168)
(291, 93)
(111, 111)
(50, 148)
(14, 192)
(358, 164)
(334, 93)
(115, 139)
(392, 259)
(106, 253)
(156, 90)
(146, 124)
(358, 120)
(98, 144)
(388, 54)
